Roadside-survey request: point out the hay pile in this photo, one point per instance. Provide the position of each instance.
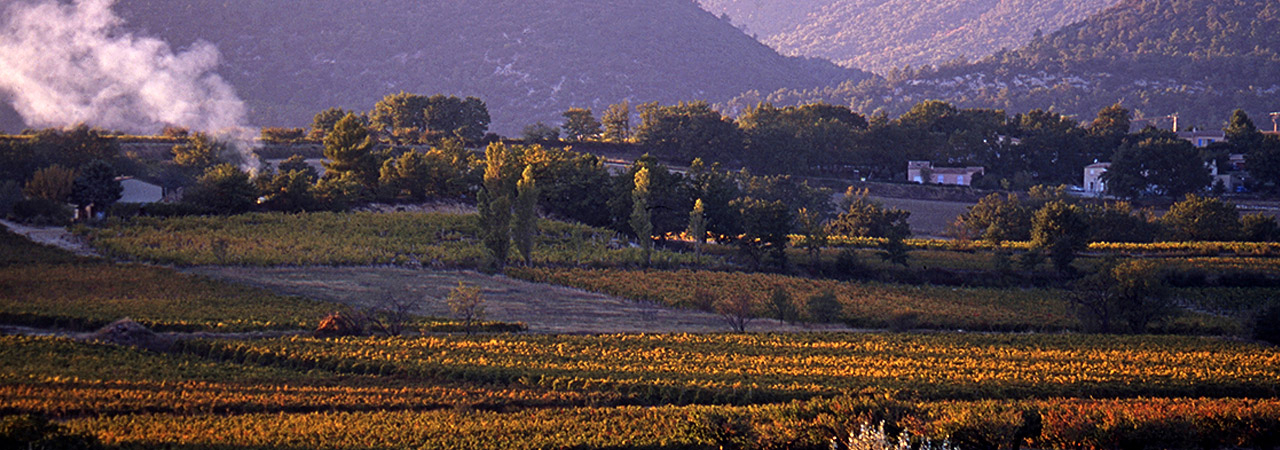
(130, 333)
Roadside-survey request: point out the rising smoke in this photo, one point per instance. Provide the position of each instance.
(67, 63)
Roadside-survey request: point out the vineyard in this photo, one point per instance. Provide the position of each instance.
(1008, 371)
(878, 305)
(414, 239)
(791, 391)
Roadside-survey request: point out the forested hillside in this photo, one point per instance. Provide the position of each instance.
(1199, 59)
(880, 35)
(529, 60)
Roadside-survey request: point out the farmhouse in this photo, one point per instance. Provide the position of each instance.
(1202, 139)
(1093, 184)
(923, 172)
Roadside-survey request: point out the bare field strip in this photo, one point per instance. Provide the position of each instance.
(545, 308)
(929, 218)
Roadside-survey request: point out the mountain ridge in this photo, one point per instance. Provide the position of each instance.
(880, 35)
(1199, 59)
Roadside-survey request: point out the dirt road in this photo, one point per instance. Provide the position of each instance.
(545, 308)
(55, 236)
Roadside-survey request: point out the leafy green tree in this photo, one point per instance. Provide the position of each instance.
(766, 227)
(324, 121)
(1166, 166)
(199, 153)
(223, 189)
(782, 140)
(1259, 227)
(715, 188)
(1061, 230)
(996, 218)
(580, 125)
(931, 115)
(1264, 161)
(526, 214)
(571, 185)
(456, 118)
(617, 122)
(350, 150)
(815, 234)
(793, 191)
(402, 111)
(467, 304)
(669, 199)
(687, 131)
(863, 217)
(540, 132)
(1197, 218)
(1112, 123)
(641, 218)
(407, 176)
(824, 307)
(290, 191)
(1241, 133)
(96, 188)
(781, 306)
(1119, 222)
(73, 147)
(298, 163)
(54, 183)
(1050, 148)
(281, 134)
(341, 190)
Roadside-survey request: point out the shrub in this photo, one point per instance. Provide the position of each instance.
(41, 212)
(781, 306)
(36, 432)
(720, 430)
(52, 183)
(10, 194)
(224, 189)
(824, 307)
(1267, 325)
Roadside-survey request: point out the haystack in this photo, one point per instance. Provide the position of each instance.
(130, 333)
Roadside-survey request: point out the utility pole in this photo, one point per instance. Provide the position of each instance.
(1274, 127)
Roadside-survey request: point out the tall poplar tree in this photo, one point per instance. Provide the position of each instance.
(526, 214)
(698, 228)
(494, 203)
(641, 221)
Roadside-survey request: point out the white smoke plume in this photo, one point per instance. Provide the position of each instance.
(63, 63)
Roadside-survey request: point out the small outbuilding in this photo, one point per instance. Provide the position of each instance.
(138, 191)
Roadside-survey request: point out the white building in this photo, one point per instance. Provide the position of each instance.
(138, 191)
(1093, 184)
(1202, 139)
(923, 172)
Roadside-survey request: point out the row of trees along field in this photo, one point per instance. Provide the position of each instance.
(1019, 151)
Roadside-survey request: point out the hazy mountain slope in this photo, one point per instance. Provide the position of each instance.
(878, 35)
(528, 59)
(1197, 58)
(766, 18)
